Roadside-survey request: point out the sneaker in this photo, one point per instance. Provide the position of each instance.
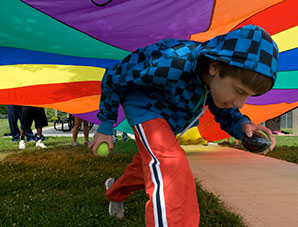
(115, 208)
(40, 144)
(87, 143)
(22, 144)
(74, 144)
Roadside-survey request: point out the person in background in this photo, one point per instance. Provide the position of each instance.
(76, 128)
(14, 113)
(115, 137)
(30, 113)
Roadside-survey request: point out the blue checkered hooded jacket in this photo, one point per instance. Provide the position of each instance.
(160, 80)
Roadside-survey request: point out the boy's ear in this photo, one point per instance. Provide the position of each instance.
(213, 68)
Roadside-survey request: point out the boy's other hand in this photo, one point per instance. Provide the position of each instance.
(99, 138)
(250, 129)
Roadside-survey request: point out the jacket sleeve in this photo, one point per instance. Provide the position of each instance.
(109, 103)
(230, 120)
(147, 66)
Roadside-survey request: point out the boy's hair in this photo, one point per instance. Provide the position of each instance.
(255, 81)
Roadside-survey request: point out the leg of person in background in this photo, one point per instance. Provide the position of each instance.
(39, 142)
(40, 120)
(75, 130)
(29, 135)
(124, 137)
(22, 144)
(115, 138)
(12, 111)
(86, 132)
(26, 122)
(28, 132)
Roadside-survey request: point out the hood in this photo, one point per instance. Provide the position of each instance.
(249, 47)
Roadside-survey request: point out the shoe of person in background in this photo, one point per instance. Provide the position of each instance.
(40, 144)
(22, 144)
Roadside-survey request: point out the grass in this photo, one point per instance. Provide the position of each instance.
(286, 153)
(286, 149)
(63, 186)
(289, 141)
(4, 127)
(287, 130)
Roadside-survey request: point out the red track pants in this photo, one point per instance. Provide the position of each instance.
(160, 166)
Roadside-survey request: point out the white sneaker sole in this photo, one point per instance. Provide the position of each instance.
(107, 181)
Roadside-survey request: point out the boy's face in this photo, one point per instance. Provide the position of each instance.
(227, 92)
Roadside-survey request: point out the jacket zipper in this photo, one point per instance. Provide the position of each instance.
(193, 120)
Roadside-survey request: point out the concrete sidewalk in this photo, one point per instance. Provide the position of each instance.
(50, 131)
(263, 190)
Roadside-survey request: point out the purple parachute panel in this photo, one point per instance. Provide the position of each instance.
(92, 116)
(130, 24)
(275, 96)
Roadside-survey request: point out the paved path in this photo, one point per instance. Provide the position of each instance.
(50, 131)
(263, 190)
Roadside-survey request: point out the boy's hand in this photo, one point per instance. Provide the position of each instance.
(250, 129)
(99, 138)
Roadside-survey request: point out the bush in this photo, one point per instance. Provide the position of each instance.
(50, 113)
(3, 109)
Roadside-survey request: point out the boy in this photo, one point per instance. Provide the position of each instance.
(30, 113)
(162, 88)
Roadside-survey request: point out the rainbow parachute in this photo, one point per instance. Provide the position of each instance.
(54, 53)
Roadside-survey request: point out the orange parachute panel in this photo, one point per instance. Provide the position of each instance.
(228, 14)
(86, 104)
(210, 130)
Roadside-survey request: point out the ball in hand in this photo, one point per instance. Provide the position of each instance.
(255, 144)
(103, 150)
